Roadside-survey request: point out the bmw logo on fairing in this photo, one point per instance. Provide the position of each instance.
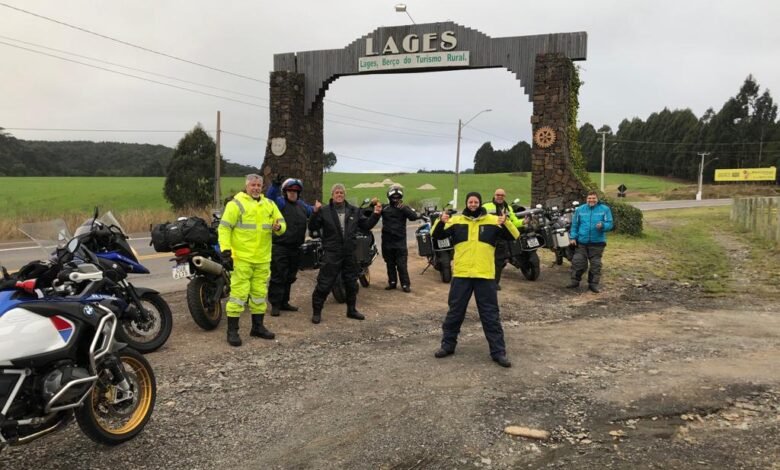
(88, 310)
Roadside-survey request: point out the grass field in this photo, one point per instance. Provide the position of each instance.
(139, 201)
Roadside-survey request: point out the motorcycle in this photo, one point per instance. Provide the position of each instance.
(200, 261)
(439, 253)
(145, 319)
(557, 227)
(522, 252)
(59, 358)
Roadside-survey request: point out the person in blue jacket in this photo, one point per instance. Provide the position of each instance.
(589, 229)
(284, 256)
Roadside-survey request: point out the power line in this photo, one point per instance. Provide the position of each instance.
(135, 76)
(132, 68)
(170, 56)
(53, 129)
(699, 144)
(393, 131)
(395, 165)
(492, 135)
(389, 114)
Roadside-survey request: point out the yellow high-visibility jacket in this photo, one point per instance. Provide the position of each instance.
(491, 208)
(475, 242)
(246, 228)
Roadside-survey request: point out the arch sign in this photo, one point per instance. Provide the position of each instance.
(541, 63)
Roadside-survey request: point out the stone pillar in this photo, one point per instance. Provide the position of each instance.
(551, 166)
(302, 133)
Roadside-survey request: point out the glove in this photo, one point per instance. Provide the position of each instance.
(278, 179)
(227, 260)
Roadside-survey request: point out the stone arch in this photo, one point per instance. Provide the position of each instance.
(541, 63)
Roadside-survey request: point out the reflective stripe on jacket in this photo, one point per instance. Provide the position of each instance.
(490, 207)
(583, 224)
(246, 227)
(475, 243)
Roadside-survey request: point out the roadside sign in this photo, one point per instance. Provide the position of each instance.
(746, 174)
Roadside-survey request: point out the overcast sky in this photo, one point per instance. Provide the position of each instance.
(642, 56)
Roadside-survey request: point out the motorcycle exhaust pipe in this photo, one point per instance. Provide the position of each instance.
(206, 265)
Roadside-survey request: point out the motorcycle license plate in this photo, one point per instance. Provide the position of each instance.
(444, 243)
(181, 271)
(533, 242)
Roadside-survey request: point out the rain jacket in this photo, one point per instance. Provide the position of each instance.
(583, 224)
(475, 242)
(246, 228)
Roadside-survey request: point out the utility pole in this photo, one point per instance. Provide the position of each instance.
(457, 168)
(603, 154)
(217, 192)
(701, 173)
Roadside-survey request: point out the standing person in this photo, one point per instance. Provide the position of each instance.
(589, 228)
(394, 251)
(474, 233)
(285, 254)
(245, 233)
(499, 206)
(338, 223)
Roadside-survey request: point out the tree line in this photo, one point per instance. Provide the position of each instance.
(86, 158)
(743, 133)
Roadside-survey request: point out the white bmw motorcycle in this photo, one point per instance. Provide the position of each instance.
(59, 358)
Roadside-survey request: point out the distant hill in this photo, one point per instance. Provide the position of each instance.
(87, 158)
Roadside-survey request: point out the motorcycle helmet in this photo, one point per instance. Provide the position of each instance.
(292, 184)
(395, 192)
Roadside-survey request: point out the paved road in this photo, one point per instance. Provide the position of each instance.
(13, 255)
(658, 205)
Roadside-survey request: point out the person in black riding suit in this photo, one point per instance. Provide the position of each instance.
(284, 255)
(394, 251)
(338, 224)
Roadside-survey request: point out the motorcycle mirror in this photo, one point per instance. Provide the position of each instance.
(73, 245)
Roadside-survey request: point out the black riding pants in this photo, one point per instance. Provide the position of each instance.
(333, 267)
(396, 259)
(284, 271)
(484, 290)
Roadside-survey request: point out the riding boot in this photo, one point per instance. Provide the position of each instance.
(258, 330)
(353, 313)
(232, 331)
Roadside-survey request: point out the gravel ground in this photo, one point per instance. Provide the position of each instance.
(644, 375)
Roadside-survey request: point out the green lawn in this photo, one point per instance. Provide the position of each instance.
(22, 197)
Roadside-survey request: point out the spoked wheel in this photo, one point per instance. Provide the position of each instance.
(206, 312)
(147, 335)
(111, 416)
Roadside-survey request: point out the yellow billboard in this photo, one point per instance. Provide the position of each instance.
(747, 174)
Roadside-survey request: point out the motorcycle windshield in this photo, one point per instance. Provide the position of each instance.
(430, 204)
(50, 235)
(109, 221)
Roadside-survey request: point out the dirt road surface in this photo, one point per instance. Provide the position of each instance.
(649, 374)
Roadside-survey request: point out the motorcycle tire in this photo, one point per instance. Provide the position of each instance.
(445, 268)
(338, 291)
(365, 278)
(114, 423)
(531, 269)
(200, 295)
(147, 338)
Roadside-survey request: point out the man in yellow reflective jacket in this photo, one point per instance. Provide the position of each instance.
(499, 206)
(245, 234)
(474, 234)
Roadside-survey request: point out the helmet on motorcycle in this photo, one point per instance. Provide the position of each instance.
(395, 192)
(292, 184)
